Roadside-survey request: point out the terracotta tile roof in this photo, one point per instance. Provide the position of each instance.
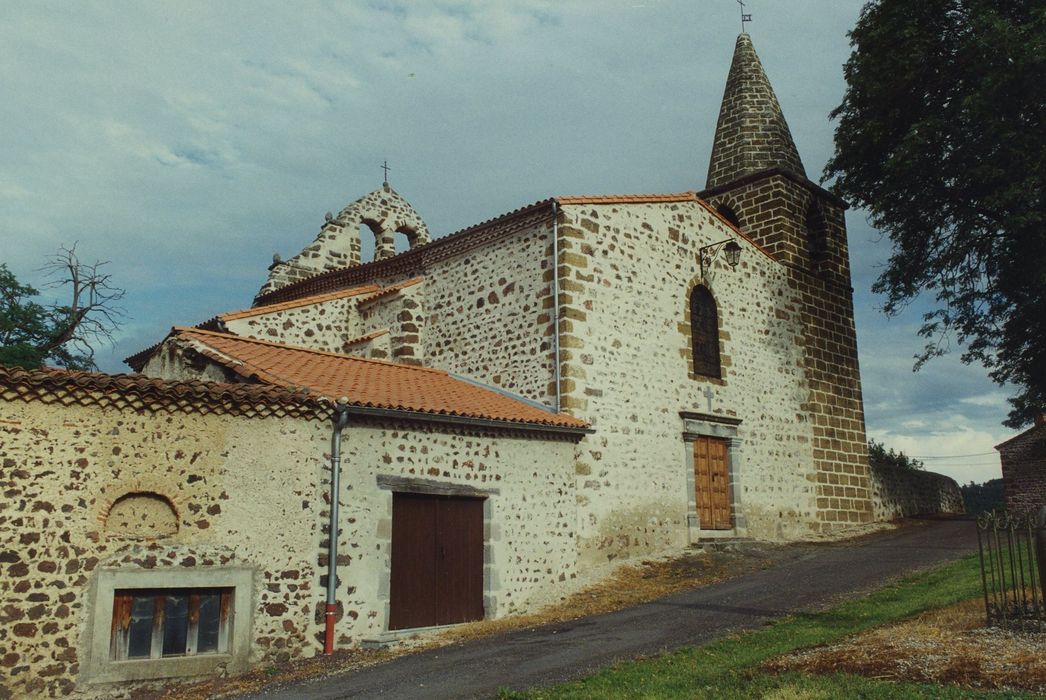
(365, 338)
(391, 289)
(368, 383)
(138, 360)
(304, 301)
(139, 393)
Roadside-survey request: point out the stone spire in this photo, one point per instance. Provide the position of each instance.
(751, 135)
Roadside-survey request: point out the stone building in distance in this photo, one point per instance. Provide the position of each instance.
(580, 381)
(1023, 460)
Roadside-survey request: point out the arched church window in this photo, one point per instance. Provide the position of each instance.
(704, 332)
(729, 214)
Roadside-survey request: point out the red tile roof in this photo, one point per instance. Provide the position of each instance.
(628, 198)
(391, 289)
(368, 383)
(137, 392)
(364, 338)
(304, 301)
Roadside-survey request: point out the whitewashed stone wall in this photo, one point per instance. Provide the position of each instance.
(327, 325)
(488, 314)
(626, 273)
(401, 313)
(531, 533)
(227, 480)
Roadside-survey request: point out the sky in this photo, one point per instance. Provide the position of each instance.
(185, 143)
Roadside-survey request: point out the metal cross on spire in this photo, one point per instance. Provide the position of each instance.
(385, 167)
(745, 16)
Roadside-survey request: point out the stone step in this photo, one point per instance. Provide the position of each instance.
(723, 544)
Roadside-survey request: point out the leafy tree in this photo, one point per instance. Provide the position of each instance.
(991, 495)
(32, 334)
(879, 456)
(941, 136)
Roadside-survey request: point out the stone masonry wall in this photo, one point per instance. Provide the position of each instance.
(488, 314)
(626, 271)
(220, 482)
(898, 492)
(1024, 470)
(226, 478)
(775, 211)
(324, 326)
(338, 244)
(531, 533)
(402, 314)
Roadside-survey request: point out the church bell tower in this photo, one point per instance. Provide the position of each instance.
(756, 179)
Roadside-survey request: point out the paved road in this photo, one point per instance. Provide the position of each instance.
(811, 577)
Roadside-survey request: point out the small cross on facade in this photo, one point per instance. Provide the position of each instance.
(385, 167)
(709, 395)
(745, 17)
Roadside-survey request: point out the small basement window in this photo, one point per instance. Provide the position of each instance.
(166, 623)
(170, 622)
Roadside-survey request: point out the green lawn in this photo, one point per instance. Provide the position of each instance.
(729, 668)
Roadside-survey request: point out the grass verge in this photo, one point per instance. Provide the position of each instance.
(730, 669)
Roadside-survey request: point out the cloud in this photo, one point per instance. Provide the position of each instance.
(187, 142)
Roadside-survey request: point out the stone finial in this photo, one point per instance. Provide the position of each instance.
(751, 135)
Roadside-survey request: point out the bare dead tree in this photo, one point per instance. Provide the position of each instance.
(92, 314)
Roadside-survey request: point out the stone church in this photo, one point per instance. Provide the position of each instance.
(509, 409)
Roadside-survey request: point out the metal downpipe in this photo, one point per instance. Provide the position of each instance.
(339, 421)
(555, 300)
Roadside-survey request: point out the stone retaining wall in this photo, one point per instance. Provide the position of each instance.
(898, 492)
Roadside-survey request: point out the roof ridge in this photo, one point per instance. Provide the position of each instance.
(294, 303)
(302, 348)
(627, 198)
(391, 289)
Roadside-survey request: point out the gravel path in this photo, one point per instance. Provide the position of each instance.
(809, 577)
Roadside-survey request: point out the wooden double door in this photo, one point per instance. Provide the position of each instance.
(712, 484)
(437, 560)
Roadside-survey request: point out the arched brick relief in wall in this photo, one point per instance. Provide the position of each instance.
(141, 515)
(687, 330)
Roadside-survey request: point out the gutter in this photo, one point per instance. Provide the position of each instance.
(339, 420)
(396, 413)
(555, 301)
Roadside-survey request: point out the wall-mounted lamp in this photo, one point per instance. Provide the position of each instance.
(708, 254)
